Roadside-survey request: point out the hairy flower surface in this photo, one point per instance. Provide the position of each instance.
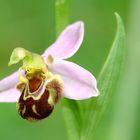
(43, 80)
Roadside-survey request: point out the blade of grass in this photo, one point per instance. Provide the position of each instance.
(108, 80)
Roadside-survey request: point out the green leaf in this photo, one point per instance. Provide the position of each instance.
(83, 117)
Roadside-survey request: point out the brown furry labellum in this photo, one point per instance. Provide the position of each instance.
(38, 98)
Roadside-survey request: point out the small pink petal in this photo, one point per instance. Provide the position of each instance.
(8, 92)
(78, 83)
(10, 95)
(10, 81)
(68, 42)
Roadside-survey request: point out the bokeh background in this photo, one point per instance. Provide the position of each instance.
(31, 24)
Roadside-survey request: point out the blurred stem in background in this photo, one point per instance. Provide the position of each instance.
(61, 15)
(126, 113)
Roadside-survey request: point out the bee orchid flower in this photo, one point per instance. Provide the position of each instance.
(43, 79)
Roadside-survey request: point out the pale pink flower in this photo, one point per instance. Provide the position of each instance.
(78, 83)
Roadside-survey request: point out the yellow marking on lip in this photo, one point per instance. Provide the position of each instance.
(34, 110)
(52, 96)
(18, 106)
(22, 79)
(42, 87)
(24, 110)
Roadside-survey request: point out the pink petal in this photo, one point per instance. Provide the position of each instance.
(8, 92)
(10, 95)
(78, 83)
(68, 42)
(10, 81)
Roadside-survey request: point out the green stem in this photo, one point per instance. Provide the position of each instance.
(62, 20)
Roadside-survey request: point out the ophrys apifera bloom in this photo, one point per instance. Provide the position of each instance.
(44, 79)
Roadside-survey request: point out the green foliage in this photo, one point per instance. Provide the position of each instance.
(83, 117)
(30, 24)
(61, 14)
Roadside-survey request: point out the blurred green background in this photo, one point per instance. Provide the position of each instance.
(31, 24)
